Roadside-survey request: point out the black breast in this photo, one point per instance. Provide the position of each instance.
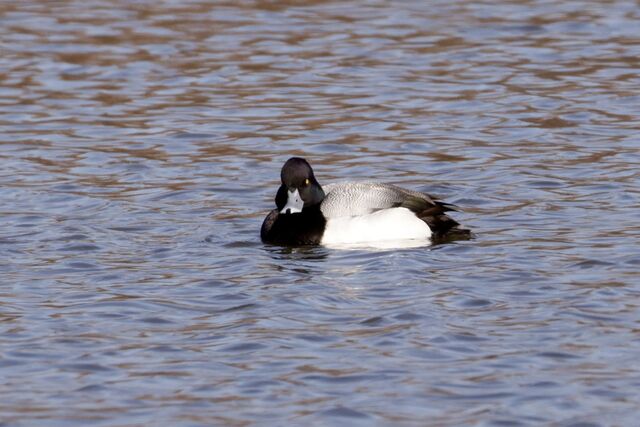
(305, 228)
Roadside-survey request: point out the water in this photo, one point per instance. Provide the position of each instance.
(141, 145)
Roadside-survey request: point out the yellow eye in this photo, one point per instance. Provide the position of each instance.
(306, 181)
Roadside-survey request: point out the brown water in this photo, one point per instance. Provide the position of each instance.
(140, 148)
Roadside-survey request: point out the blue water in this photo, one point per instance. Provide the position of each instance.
(140, 150)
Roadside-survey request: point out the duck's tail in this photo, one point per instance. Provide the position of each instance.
(434, 212)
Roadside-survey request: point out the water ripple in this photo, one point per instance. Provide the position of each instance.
(141, 147)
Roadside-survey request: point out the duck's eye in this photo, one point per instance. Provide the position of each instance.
(306, 181)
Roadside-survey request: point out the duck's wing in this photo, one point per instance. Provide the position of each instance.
(362, 198)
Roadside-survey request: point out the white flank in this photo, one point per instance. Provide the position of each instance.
(393, 224)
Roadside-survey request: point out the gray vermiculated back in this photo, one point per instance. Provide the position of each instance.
(360, 198)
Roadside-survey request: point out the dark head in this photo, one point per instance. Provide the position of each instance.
(299, 189)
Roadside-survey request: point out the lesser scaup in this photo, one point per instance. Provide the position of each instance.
(352, 213)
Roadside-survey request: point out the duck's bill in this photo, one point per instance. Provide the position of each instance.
(294, 203)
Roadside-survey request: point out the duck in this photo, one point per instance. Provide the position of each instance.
(353, 212)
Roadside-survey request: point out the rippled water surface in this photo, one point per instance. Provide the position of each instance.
(140, 149)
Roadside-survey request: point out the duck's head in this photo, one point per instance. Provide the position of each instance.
(299, 189)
